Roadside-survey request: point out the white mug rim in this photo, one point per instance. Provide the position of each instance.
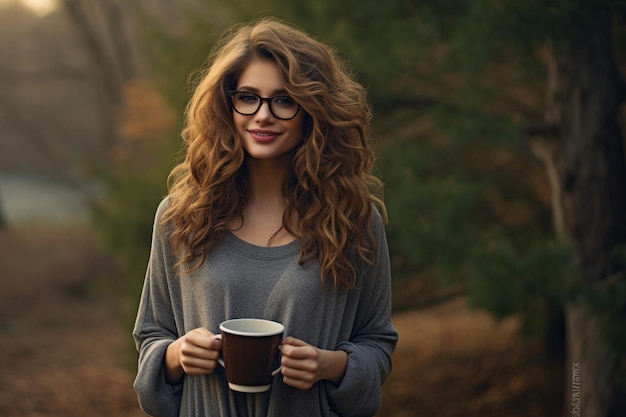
(279, 328)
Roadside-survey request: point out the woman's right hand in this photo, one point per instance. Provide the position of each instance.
(195, 353)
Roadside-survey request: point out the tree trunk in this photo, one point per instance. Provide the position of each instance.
(102, 28)
(585, 164)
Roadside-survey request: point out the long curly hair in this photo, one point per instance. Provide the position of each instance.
(330, 191)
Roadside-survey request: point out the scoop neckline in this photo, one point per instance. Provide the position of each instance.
(251, 249)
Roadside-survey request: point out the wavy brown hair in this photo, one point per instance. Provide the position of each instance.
(330, 191)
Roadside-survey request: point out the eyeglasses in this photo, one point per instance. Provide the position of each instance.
(247, 104)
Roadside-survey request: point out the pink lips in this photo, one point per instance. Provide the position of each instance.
(261, 135)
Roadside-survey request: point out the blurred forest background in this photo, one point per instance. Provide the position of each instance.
(499, 132)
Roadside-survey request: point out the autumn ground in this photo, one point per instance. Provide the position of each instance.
(64, 345)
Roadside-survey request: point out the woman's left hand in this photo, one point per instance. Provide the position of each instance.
(303, 364)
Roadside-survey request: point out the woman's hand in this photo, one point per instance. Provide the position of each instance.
(195, 353)
(303, 364)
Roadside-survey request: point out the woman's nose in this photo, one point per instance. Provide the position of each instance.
(264, 112)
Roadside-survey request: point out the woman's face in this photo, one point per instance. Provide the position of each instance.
(264, 135)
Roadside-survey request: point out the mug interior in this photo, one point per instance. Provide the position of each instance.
(252, 327)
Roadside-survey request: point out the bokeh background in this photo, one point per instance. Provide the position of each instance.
(498, 129)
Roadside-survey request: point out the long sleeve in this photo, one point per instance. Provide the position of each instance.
(155, 329)
(372, 341)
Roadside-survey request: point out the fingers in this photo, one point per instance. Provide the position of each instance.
(303, 364)
(204, 338)
(297, 378)
(199, 352)
(297, 352)
(300, 363)
(290, 340)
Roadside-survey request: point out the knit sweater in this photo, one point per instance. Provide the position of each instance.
(239, 280)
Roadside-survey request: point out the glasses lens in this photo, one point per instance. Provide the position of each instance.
(246, 103)
(284, 107)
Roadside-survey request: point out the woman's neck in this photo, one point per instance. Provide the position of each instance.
(262, 222)
(266, 180)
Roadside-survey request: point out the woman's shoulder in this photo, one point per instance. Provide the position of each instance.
(164, 204)
(378, 217)
(161, 222)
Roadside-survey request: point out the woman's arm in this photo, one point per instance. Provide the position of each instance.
(373, 337)
(155, 330)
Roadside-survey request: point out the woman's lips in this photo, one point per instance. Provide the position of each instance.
(263, 135)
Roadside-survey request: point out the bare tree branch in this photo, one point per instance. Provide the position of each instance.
(103, 64)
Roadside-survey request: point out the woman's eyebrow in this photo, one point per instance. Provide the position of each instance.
(256, 90)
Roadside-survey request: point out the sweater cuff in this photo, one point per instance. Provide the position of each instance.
(156, 397)
(358, 394)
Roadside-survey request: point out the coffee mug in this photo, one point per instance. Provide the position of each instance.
(250, 349)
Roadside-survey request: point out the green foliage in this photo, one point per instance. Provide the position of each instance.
(491, 29)
(427, 212)
(123, 218)
(172, 58)
(507, 281)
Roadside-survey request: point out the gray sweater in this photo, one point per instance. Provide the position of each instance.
(239, 280)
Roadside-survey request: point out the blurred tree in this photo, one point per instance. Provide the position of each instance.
(136, 180)
(53, 77)
(25, 84)
(102, 30)
(135, 124)
(580, 144)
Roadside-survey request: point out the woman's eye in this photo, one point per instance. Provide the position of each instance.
(248, 98)
(284, 100)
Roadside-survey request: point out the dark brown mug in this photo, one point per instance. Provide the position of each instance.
(250, 348)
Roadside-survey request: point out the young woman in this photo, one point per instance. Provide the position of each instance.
(273, 214)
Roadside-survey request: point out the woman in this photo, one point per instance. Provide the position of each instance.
(271, 215)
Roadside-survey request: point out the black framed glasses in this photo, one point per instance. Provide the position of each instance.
(246, 103)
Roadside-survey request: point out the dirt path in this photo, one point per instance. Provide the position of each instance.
(453, 362)
(61, 345)
(65, 353)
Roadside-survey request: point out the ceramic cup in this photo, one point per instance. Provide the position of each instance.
(250, 349)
